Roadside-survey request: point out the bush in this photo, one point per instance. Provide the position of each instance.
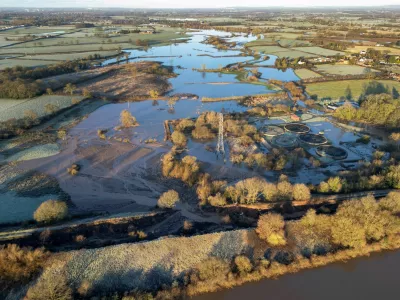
(212, 268)
(301, 192)
(74, 169)
(285, 191)
(270, 227)
(178, 138)
(347, 233)
(51, 286)
(243, 264)
(153, 94)
(127, 120)
(102, 133)
(168, 199)
(391, 202)
(335, 184)
(51, 211)
(323, 187)
(185, 125)
(19, 265)
(217, 200)
(202, 132)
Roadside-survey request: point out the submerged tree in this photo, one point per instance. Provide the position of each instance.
(127, 120)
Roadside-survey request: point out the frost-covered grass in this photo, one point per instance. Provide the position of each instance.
(342, 69)
(37, 105)
(319, 51)
(142, 265)
(35, 152)
(306, 73)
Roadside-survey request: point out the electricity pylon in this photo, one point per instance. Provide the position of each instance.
(220, 145)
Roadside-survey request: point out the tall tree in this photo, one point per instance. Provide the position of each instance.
(348, 93)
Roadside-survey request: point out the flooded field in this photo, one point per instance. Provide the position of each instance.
(125, 176)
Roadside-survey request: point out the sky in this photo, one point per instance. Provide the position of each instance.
(190, 4)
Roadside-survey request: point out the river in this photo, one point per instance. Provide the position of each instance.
(367, 278)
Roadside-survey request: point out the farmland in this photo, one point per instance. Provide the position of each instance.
(358, 49)
(306, 73)
(70, 44)
(318, 51)
(337, 69)
(336, 89)
(278, 51)
(18, 108)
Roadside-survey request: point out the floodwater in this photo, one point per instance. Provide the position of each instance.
(185, 57)
(367, 278)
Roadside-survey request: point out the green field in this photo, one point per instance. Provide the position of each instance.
(306, 73)
(336, 89)
(292, 43)
(9, 63)
(278, 51)
(319, 51)
(341, 69)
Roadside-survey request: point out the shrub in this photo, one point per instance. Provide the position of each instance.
(51, 211)
(187, 225)
(347, 233)
(335, 184)
(86, 93)
(69, 88)
(202, 132)
(168, 199)
(391, 202)
(74, 169)
(212, 268)
(393, 177)
(127, 120)
(217, 200)
(270, 227)
(301, 192)
(19, 265)
(30, 114)
(153, 94)
(178, 138)
(236, 158)
(270, 191)
(243, 264)
(285, 191)
(323, 187)
(102, 133)
(51, 286)
(185, 125)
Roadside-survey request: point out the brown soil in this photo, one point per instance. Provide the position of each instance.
(122, 84)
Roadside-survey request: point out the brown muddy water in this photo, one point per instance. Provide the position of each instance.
(367, 278)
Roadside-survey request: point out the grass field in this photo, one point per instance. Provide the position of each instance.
(143, 265)
(341, 69)
(71, 56)
(319, 51)
(278, 51)
(36, 104)
(9, 63)
(306, 73)
(292, 43)
(357, 49)
(336, 89)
